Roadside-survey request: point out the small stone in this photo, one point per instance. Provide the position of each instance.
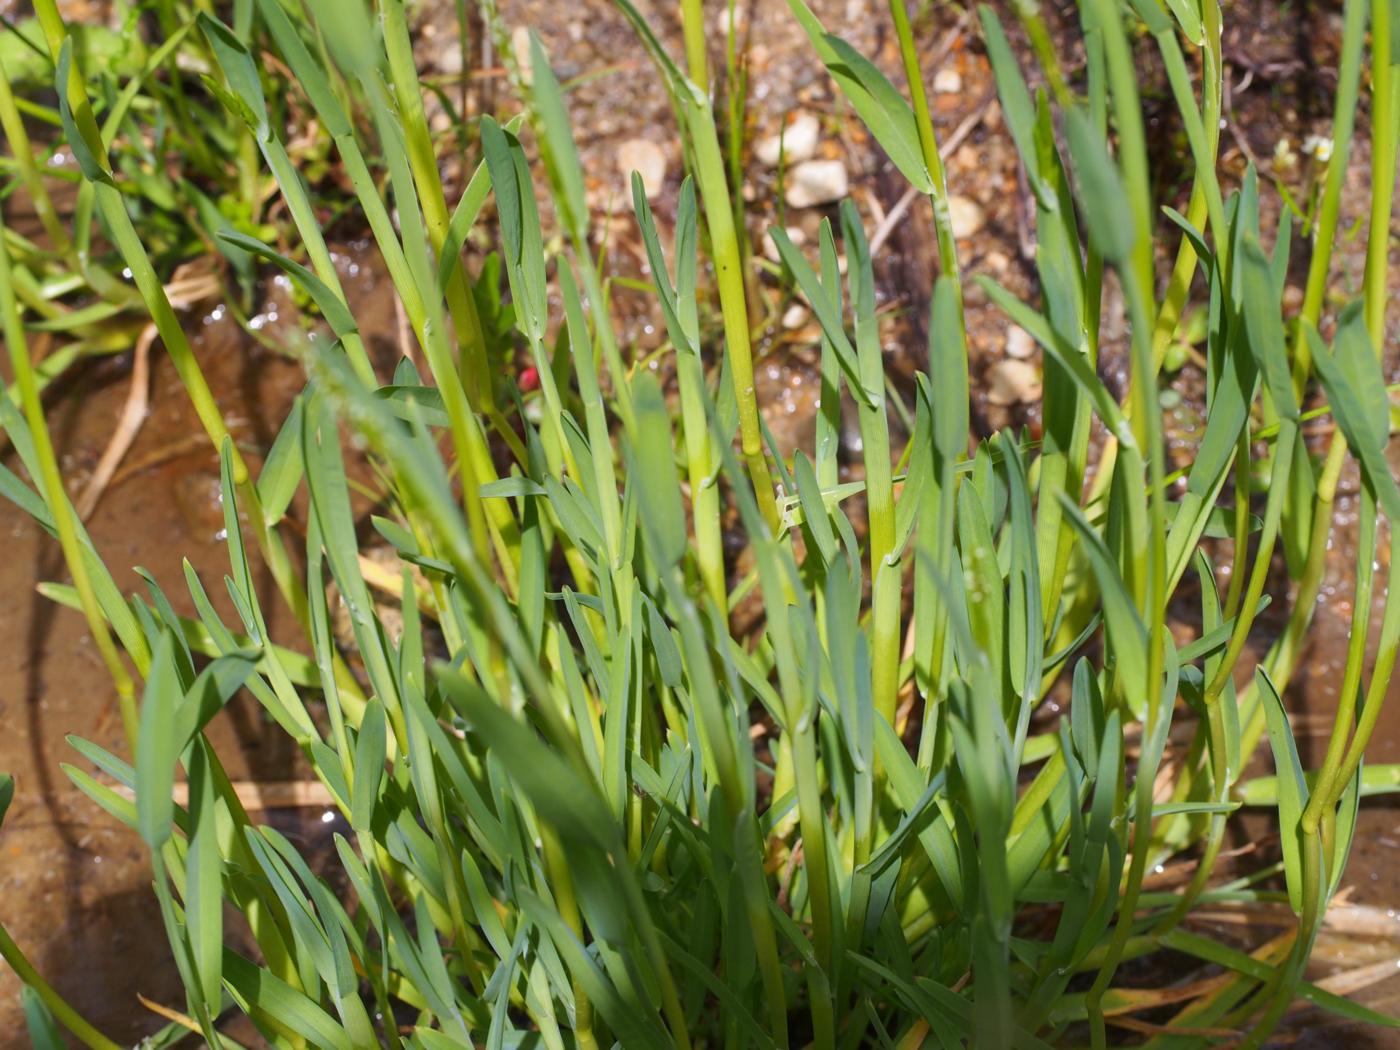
(947, 82)
(1012, 382)
(997, 262)
(1019, 343)
(816, 182)
(520, 45)
(795, 316)
(798, 142)
(647, 159)
(966, 215)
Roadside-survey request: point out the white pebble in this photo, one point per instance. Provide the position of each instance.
(967, 216)
(947, 82)
(647, 159)
(798, 142)
(795, 316)
(1012, 382)
(816, 182)
(1019, 343)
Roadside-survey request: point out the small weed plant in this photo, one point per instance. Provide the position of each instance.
(580, 809)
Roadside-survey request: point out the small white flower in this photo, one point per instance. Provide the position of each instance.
(1284, 156)
(1319, 147)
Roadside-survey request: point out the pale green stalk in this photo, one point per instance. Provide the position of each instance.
(1028, 12)
(693, 29)
(711, 178)
(1329, 209)
(728, 259)
(1383, 111)
(1179, 285)
(885, 566)
(701, 470)
(594, 415)
(1317, 823)
(1137, 279)
(422, 158)
(816, 862)
(1380, 676)
(1385, 141)
(1285, 653)
(563, 887)
(1156, 627)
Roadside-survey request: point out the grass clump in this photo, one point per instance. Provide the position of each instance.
(582, 811)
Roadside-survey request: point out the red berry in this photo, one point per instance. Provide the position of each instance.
(529, 378)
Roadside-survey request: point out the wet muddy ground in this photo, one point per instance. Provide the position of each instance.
(74, 886)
